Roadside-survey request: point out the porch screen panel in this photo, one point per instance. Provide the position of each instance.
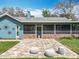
(48, 29)
(29, 29)
(75, 28)
(63, 28)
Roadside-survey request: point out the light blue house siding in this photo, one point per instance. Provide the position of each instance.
(10, 28)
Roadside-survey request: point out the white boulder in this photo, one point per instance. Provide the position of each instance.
(49, 53)
(61, 50)
(34, 50)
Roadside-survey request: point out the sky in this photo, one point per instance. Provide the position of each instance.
(34, 4)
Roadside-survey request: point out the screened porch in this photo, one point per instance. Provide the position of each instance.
(52, 29)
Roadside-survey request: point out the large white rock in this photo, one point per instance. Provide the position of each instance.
(61, 50)
(49, 53)
(34, 50)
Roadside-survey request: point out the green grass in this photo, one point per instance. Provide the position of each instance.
(4, 46)
(73, 44)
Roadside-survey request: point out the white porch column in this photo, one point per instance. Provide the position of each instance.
(36, 30)
(54, 28)
(70, 28)
(42, 30)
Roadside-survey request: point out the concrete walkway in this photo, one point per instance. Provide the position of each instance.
(22, 49)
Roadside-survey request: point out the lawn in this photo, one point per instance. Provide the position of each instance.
(73, 44)
(4, 46)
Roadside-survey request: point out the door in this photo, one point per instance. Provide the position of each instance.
(17, 32)
(39, 32)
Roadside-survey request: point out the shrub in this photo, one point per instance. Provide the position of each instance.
(65, 37)
(70, 37)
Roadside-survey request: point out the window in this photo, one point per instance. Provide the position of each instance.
(17, 30)
(49, 29)
(13, 28)
(75, 28)
(0, 28)
(5, 27)
(9, 32)
(29, 29)
(20, 28)
(17, 33)
(63, 28)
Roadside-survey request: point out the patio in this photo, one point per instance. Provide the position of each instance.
(22, 49)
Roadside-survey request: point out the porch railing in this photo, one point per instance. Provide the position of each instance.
(29, 32)
(52, 32)
(75, 32)
(61, 32)
(48, 32)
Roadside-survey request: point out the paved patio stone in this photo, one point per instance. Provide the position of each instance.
(22, 49)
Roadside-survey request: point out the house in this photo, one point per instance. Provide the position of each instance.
(37, 27)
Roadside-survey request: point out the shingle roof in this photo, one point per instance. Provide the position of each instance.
(41, 19)
(45, 20)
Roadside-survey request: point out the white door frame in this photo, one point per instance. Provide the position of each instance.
(17, 30)
(39, 25)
